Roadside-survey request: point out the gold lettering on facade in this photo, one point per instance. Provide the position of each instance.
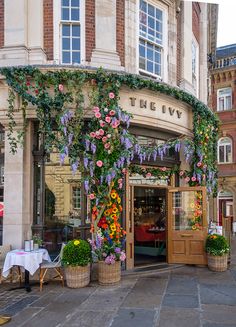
(179, 113)
(152, 106)
(132, 101)
(143, 103)
(171, 111)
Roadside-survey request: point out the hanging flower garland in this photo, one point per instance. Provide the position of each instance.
(103, 148)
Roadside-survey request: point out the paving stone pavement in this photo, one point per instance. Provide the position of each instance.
(187, 296)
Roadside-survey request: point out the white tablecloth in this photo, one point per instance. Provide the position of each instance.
(29, 260)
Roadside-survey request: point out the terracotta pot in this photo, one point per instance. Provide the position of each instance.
(78, 276)
(217, 263)
(109, 274)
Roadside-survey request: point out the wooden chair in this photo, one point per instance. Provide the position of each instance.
(56, 265)
(4, 249)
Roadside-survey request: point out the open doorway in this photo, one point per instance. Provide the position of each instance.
(149, 225)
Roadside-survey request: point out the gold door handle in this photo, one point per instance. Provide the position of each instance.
(186, 235)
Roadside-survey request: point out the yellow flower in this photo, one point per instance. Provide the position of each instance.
(115, 210)
(113, 195)
(194, 227)
(192, 205)
(107, 212)
(113, 227)
(109, 204)
(76, 242)
(119, 199)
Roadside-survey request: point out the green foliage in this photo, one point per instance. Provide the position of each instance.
(216, 245)
(37, 240)
(76, 253)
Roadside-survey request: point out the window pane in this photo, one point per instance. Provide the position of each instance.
(157, 57)
(141, 51)
(65, 3)
(158, 14)
(142, 63)
(221, 153)
(66, 44)
(75, 30)
(76, 57)
(75, 3)
(150, 52)
(221, 104)
(158, 70)
(228, 102)
(143, 5)
(150, 66)
(75, 14)
(75, 44)
(65, 14)
(228, 153)
(151, 22)
(66, 57)
(65, 30)
(151, 10)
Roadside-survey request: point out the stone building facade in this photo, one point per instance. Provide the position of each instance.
(223, 102)
(164, 40)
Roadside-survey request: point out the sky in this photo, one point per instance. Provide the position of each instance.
(226, 33)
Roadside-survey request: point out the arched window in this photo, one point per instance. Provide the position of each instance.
(224, 150)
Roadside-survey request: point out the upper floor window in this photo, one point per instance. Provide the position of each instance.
(76, 198)
(70, 31)
(195, 65)
(151, 39)
(224, 150)
(224, 99)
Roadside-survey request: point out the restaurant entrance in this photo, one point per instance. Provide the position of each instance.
(149, 225)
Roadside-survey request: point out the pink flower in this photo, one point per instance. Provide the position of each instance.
(120, 180)
(96, 109)
(92, 134)
(60, 87)
(108, 119)
(205, 166)
(104, 139)
(120, 185)
(163, 168)
(98, 115)
(193, 179)
(122, 256)
(111, 95)
(115, 124)
(107, 145)
(91, 196)
(112, 112)
(187, 179)
(199, 164)
(105, 109)
(102, 123)
(99, 163)
(101, 132)
(148, 175)
(109, 136)
(97, 133)
(181, 173)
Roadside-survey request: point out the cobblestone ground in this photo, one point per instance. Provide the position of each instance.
(187, 296)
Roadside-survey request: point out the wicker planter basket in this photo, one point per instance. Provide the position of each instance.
(78, 276)
(217, 263)
(109, 274)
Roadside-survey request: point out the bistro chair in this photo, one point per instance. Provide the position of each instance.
(4, 249)
(55, 265)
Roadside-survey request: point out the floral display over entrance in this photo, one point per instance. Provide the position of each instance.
(100, 146)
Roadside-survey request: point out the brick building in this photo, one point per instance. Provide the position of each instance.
(166, 41)
(223, 102)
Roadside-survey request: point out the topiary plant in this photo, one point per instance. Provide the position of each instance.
(76, 253)
(217, 245)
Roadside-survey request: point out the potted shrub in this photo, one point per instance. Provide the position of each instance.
(76, 259)
(217, 248)
(38, 242)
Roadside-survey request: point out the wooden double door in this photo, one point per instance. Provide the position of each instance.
(186, 225)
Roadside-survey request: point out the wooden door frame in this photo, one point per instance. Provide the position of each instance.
(171, 190)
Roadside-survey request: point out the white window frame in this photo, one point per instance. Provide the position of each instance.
(224, 97)
(164, 46)
(57, 34)
(224, 145)
(195, 72)
(72, 197)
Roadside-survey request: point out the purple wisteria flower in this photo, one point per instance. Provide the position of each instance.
(86, 162)
(74, 166)
(93, 148)
(86, 186)
(62, 158)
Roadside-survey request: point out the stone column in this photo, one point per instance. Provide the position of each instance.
(131, 27)
(18, 195)
(23, 33)
(203, 54)
(105, 54)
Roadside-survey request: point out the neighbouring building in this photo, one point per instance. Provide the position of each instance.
(223, 103)
(166, 41)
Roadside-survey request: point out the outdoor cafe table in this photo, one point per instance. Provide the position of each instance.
(30, 261)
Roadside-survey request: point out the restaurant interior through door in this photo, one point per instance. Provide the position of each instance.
(149, 211)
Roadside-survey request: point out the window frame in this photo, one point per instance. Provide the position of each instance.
(224, 153)
(224, 96)
(163, 47)
(73, 208)
(57, 35)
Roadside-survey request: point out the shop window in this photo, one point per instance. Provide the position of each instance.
(225, 150)
(151, 39)
(224, 99)
(1, 175)
(69, 31)
(195, 65)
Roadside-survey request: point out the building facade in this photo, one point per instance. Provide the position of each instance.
(165, 41)
(223, 102)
